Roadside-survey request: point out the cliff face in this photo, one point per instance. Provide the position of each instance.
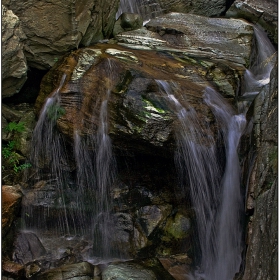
(262, 195)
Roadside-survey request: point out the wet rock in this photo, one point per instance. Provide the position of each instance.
(32, 269)
(12, 270)
(140, 115)
(150, 269)
(11, 201)
(200, 7)
(82, 271)
(54, 28)
(127, 22)
(14, 65)
(179, 266)
(11, 205)
(264, 13)
(262, 192)
(215, 38)
(28, 247)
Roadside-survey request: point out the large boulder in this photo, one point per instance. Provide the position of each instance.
(14, 66)
(139, 111)
(147, 269)
(220, 39)
(262, 12)
(262, 194)
(56, 27)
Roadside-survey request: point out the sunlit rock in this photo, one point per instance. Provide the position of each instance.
(14, 65)
(216, 38)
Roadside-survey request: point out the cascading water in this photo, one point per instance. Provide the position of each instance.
(81, 192)
(217, 201)
(258, 74)
(147, 9)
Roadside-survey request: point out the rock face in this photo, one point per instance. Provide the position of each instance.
(264, 13)
(206, 8)
(62, 26)
(212, 38)
(11, 203)
(139, 110)
(14, 66)
(150, 269)
(263, 188)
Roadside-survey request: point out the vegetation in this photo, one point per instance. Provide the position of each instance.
(11, 159)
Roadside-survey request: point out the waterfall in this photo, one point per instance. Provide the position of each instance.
(258, 74)
(82, 190)
(217, 199)
(228, 236)
(146, 8)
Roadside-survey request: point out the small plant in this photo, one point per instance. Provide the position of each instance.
(55, 112)
(10, 157)
(15, 127)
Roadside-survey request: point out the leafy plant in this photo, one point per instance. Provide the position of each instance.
(10, 157)
(17, 127)
(55, 112)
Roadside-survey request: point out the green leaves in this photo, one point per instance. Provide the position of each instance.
(15, 127)
(11, 159)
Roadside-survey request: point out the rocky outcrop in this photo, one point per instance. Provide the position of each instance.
(83, 270)
(205, 8)
(62, 26)
(139, 111)
(11, 205)
(262, 194)
(14, 66)
(213, 38)
(264, 13)
(150, 269)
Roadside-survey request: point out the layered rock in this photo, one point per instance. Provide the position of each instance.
(262, 236)
(264, 13)
(14, 65)
(221, 39)
(61, 26)
(139, 111)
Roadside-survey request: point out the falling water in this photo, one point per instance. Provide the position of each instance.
(258, 73)
(82, 196)
(147, 9)
(228, 236)
(217, 200)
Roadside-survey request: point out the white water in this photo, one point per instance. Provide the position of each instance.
(146, 8)
(217, 200)
(258, 74)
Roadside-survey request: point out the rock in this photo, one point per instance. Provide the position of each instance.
(200, 7)
(12, 269)
(56, 27)
(262, 194)
(145, 270)
(262, 12)
(81, 271)
(141, 117)
(102, 22)
(179, 266)
(14, 66)
(11, 202)
(127, 22)
(28, 248)
(215, 38)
